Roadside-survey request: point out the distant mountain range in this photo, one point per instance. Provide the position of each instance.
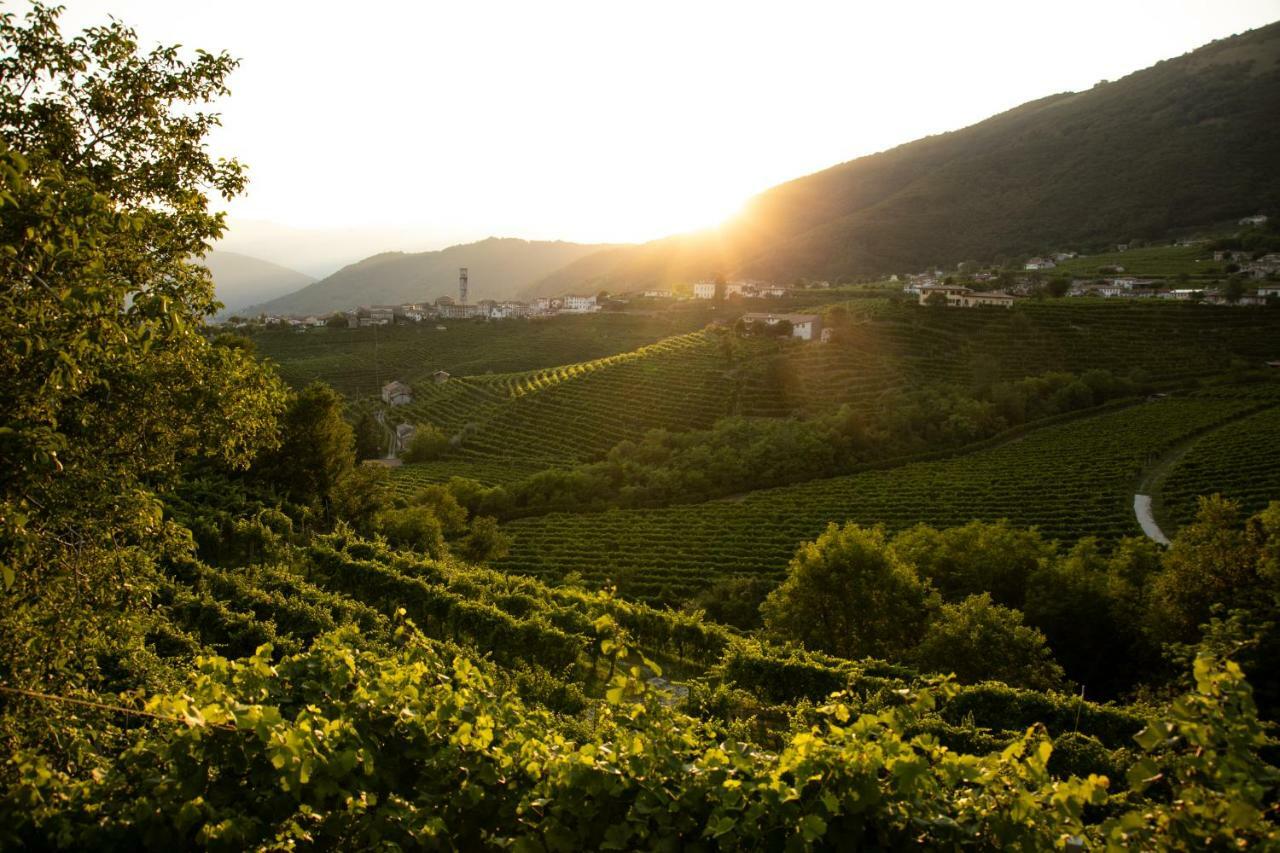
(499, 268)
(241, 281)
(1188, 142)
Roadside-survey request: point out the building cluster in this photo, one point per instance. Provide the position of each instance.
(959, 296)
(444, 308)
(746, 288)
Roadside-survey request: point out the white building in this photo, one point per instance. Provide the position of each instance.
(580, 304)
(1039, 264)
(806, 327)
(704, 290)
(963, 297)
(1256, 219)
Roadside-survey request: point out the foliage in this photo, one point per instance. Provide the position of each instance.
(979, 641)
(370, 438)
(846, 593)
(356, 749)
(1038, 480)
(317, 449)
(108, 388)
(429, 442)
(977, 558)
(484, 541)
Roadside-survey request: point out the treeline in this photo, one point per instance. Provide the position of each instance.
(988, 601)
(740, 454)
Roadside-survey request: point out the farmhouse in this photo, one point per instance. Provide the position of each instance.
(440, 377)
(396, 393)
(962, 297)
(806, 327)
(1039, 264)
(704, 290)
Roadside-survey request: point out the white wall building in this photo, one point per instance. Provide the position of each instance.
(806, 327)
(704, 290)
(580, 304)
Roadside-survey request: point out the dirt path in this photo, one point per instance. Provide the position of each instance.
(1142, 509)
(1146, 501)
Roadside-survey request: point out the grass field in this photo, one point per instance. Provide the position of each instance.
(1070, 480)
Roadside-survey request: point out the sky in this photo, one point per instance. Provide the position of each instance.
(415, 125)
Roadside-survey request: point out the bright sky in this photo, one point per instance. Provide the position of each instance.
(415, 125)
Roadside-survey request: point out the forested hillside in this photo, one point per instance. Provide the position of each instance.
(1186, 142)
(500, 268)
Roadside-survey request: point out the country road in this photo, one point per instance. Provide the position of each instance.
(1142, 509)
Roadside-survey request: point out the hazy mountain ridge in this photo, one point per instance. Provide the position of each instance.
(500, 268)
(241, 280)
(1183, 143)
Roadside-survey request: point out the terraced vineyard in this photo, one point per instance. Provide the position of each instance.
(1071, 480)
(515, 424)
(890, 347)
(1150, 260)
(1240, 461)
(358, 361)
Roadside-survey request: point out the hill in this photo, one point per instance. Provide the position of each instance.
(1184, 143)
(499, 269)
(242, 281)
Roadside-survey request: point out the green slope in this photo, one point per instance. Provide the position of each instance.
(1184, 143)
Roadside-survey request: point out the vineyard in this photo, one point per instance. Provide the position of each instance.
(1145, 261)
(358, 361)
(1241, 461)
(339, 692)
(513, 424)
(1069, 480)
(886, 348)
(552, 636)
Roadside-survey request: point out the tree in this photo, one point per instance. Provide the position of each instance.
(1215, 560)
(848, 594)
(979, 557)
(109, 388)
(1233, 289)
(442, 503)
(413, 527)
(979, 640)
(734, 601)
(484, 542)
(1058, 286)
(429, 442)
(370, 438)
(317, 448)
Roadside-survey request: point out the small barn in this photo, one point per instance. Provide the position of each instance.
(440, 377)
(396, 393)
